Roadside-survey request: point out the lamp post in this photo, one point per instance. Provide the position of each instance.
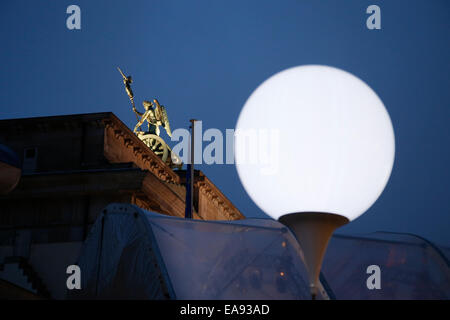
(189, 211)
(331, 147)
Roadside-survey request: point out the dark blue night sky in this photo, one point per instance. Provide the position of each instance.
(202, 59)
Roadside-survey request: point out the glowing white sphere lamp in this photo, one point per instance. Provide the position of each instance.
(314, 148)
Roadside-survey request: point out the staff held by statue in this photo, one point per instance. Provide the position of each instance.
(127, 81)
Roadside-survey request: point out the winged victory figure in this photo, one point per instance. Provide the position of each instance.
(156, 116)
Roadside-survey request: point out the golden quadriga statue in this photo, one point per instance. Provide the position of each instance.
(155, 115)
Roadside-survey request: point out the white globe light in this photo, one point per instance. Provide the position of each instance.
(314, 139)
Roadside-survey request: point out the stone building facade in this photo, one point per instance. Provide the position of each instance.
(72, 167)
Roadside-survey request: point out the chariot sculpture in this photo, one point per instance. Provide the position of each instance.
(155, 115)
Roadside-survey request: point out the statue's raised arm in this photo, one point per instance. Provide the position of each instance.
(127, 81)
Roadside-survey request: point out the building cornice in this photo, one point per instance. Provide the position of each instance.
(215, 196)
(145, 157)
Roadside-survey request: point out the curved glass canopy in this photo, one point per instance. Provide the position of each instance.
(132, 253)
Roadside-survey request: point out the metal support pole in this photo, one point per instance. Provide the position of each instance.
(190, 176)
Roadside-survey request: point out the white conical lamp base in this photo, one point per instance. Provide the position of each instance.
(313, 231)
